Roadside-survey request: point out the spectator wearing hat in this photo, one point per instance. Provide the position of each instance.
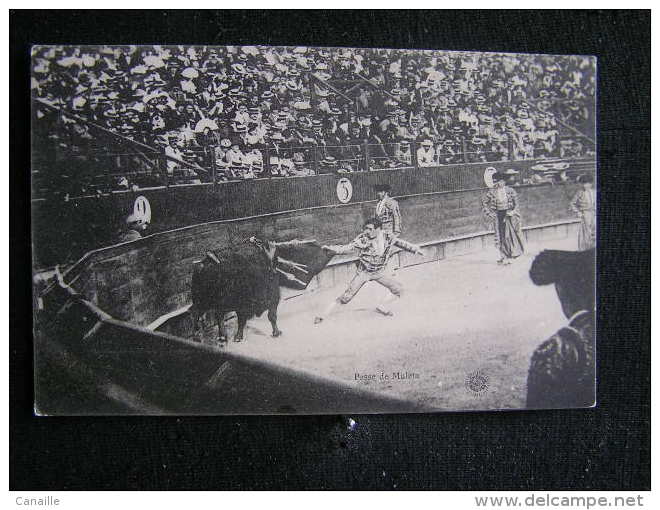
(304, 122)
(403, 154)
(499, 145)
(510, 176)
(286, 115)
(584, 205)
(177, 117)
(387, 210)
(322, 103)
(234, 155)
(174, 156)
(266, 100)
(468, 117)
(277, 167)
(328, 165)
(242, 116)
(293, 138)
(300, 168)
(500, 206)
(447, 152)
(566, 148)
(477, 150)
(220, 152)
(546, 138)
(133, 229)
(523, 147)
(318, 138)
(255, 116)
(333, 120)
(255, 134)
(333, 136)
(248, 171)
(351, 151)
(405, 130)
(236, 170)
(426, 154)
(299, 102)
(254, 160)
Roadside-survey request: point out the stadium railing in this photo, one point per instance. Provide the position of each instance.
(82, 172)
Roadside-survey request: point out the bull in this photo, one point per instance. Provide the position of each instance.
(246, 278)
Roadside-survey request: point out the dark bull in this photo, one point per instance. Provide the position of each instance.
(246, 278)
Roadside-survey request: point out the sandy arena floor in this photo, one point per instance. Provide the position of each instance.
(458, 316)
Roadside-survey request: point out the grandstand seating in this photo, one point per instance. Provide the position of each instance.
(131, 117)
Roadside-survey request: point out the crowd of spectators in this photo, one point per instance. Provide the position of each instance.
(255, 111)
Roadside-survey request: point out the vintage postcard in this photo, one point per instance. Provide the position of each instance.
(298, 230)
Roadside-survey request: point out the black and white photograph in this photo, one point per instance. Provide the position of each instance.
(258, 230)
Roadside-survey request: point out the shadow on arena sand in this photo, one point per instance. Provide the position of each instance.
(461, 320)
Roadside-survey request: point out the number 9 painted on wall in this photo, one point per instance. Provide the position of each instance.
(142, 210)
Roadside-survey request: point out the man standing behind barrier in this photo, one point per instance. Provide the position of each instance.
(500, 205)
(584, 204)
(387, 210)
(375, 248)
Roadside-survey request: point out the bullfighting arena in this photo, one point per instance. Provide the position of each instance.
(459, 317)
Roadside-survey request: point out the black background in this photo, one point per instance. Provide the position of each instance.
(606, 448)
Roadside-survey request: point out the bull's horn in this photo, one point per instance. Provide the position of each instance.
(213, 257)
(290, 263)
(290, 277)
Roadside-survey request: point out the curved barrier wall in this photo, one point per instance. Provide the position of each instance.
(88, 363)
(141, 280)
(64, 230)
